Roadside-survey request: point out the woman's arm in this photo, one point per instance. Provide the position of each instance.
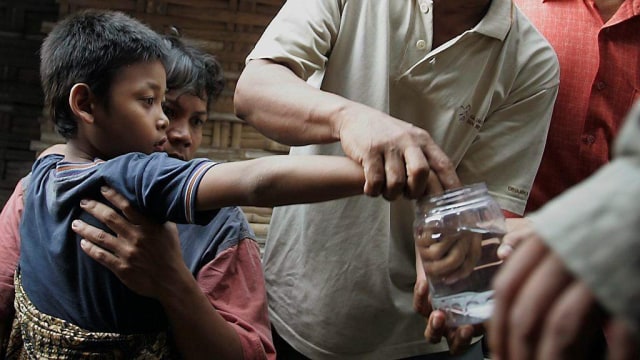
(146, 257)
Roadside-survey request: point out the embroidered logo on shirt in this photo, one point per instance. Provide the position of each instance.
(465, 116)
(521, 193)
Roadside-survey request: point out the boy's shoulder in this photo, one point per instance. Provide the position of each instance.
(46, 161)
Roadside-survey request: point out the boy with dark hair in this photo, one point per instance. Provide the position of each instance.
(209, 280)
(106, 117)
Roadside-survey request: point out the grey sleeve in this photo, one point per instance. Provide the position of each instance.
(595, 227)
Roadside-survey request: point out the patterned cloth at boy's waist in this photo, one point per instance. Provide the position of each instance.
(38, 335)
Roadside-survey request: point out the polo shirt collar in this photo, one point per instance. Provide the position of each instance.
(497, 22)
(635, 5)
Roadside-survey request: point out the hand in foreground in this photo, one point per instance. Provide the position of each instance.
(541, 310)
(144, 255)
(397, 157)
(518, 230)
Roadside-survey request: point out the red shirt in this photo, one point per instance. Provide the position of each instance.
(599, 81)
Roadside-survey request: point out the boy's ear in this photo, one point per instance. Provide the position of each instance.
(81, 102)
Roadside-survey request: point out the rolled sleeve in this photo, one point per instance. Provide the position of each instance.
(234, 284)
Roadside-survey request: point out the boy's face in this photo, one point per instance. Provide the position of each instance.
(133, 120)
(187, 115)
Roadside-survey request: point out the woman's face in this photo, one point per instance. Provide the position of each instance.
(187, 115)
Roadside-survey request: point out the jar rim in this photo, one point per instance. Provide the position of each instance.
(453, 195)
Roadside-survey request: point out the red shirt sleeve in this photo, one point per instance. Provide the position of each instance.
(9, 248)
(234, 284)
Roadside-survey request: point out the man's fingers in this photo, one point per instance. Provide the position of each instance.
(421, 290)
(570, 325)
(436, 327)
(395, 174)
(106, 215)
(517, 231)
(507, 284)
(94, 235)
(449, 258)
(102, 256)
(434, 187)
(420, 297)
(531, 304)
(470, 254)
(622, 341)
(122, 204)
(374, 175)
(460, 339)
(440, 163)
(417, 171)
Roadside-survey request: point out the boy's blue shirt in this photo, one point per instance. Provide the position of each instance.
(62, 281)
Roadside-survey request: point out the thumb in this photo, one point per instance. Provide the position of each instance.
(421, 297)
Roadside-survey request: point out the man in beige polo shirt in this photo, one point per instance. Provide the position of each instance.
(383, 82)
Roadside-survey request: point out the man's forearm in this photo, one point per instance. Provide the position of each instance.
(284, 107)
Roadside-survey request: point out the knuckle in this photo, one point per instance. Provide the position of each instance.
(440, 163)
(376, 181)
(110, 216)
(125, 206)
(98, 255)
(101, 237)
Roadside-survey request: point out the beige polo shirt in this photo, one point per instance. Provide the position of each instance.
(340, 274)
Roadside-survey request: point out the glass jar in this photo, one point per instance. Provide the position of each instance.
(457, 234)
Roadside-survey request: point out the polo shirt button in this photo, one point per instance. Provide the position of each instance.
(421, 44)
(424, 7)
(588, 139)
(600, 85)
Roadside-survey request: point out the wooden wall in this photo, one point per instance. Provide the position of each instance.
(20, 94)
(226, 28)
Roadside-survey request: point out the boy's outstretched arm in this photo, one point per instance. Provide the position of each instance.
(280, 180)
